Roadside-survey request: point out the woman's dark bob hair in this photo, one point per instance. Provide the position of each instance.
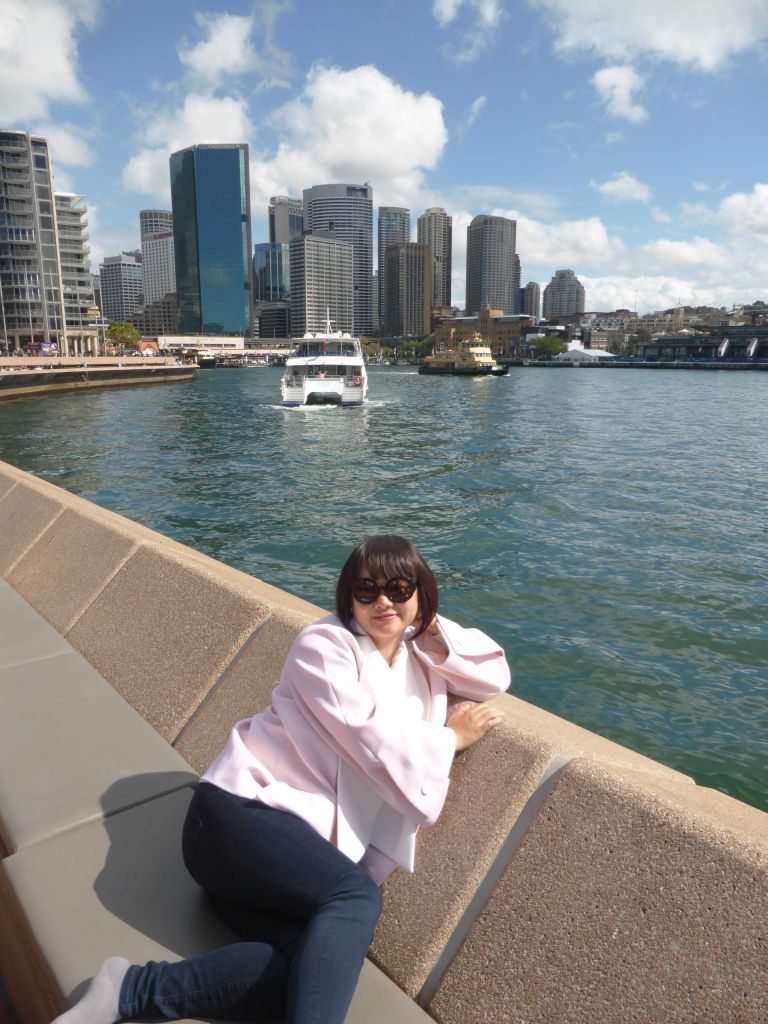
(385, 556)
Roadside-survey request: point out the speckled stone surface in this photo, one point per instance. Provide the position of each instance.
(25, 513)
(632, 900)
(6, 482)
(490, 784)
(162, 632)
(64, 571)
(244, 689)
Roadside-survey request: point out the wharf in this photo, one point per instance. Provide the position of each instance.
(29, 376)
(636, 364)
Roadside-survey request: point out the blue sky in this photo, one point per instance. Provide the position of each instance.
(627, 139)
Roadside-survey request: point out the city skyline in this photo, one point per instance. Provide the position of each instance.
(623, 141)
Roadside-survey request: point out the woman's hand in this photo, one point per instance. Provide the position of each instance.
(471, 721)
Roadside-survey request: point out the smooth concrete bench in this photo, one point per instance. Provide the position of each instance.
(568, 879)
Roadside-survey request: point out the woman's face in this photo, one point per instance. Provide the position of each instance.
(385, 621)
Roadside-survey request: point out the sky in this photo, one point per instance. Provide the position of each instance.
(626, 138)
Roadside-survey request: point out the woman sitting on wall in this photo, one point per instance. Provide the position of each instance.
(311, 804)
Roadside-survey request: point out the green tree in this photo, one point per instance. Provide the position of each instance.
(124, 335)
(549, 345)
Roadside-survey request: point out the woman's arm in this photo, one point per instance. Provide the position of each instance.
(405, 760)
(471, 663)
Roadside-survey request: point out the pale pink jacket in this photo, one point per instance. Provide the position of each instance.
(331, 704)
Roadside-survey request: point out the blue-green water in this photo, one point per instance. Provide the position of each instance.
(608, 527)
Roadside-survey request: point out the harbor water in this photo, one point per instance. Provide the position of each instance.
(608, 528)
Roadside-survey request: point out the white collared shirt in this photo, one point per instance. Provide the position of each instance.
(391, 832)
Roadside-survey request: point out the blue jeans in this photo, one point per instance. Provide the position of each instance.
(305, 912)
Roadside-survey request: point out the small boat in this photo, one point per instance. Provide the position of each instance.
(472, 358)
(326, 368)
(206, 359)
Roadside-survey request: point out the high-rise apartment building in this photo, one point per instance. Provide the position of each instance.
(346, 212)
(409, 289)
(286, 219)
(564, 295)
(322, 284)
(493, 267)
(531, 300)
(435, 229)
(31, 307)
(394, 228)
(154, 222)
(210, 196)
(121, 284)
(75, 262)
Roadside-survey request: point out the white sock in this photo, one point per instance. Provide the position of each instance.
(99, 1005)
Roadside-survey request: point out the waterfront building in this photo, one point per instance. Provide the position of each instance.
(409, 289)
(493, 266)
(31, 302)
(322, 284)
(531, 300)
(346, 212)
(435, 229)
(210, 196)
(286, 219)
(121, 285)
(154, 222)
(158, 317)
(394, 227)
(502, 332)
(80, 312)
(563, 296)
(272, 289)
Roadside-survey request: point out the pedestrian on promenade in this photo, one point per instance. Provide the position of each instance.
(313, 802)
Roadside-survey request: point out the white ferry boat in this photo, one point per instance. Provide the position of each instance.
(325, 369)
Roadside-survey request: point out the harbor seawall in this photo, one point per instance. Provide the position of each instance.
(568, 880)
(41, 376)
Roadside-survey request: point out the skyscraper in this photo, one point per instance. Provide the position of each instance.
(322, 275)
(210, 196)
(532, 300)
(435, 229)
(564, 295)
(75, 262)
(121, 284)
(272, 289)
(394, 227)
(31, 306)
(286, 219)
(154, 222)
(346, 212)
(409, 289)
(493, 267)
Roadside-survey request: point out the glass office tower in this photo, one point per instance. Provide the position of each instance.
(211, 203)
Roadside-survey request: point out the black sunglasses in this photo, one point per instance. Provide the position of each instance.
(399, 589)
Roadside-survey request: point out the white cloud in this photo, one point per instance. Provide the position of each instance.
(660, 216)
(745, 213)
(700, 186)
(611, 138)
(38, 56)
(702, 35)
(68, 146)
(616, 87)
(388, 136)
(228, 49)
(445, 11)
(482, 17)
(471, 116)
(201, 119)
(623, 187)
(666, 254)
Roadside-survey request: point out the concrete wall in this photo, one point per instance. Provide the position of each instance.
(568, 879)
